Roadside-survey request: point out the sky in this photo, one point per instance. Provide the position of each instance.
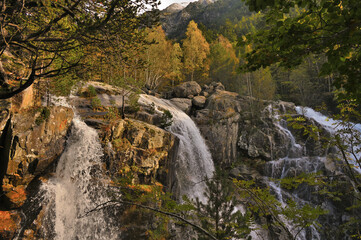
(166, 3)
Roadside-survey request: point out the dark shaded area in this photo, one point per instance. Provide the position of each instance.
(5, 144)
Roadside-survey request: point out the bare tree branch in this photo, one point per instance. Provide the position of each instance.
(119, 202)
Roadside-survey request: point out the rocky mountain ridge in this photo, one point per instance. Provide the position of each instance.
(211, 14)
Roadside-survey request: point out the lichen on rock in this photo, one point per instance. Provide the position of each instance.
(139, 147)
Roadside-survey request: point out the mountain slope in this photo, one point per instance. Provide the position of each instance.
(211, 14)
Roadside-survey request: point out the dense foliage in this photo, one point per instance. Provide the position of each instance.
(48, 37)
(297, 29)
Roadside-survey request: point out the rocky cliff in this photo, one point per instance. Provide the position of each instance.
(252, 139)
(33, 138)
(31, 142)
(247, 137)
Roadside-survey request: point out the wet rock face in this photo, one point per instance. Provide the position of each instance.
(36, 140)
(218, 122)
(237, 126)
(141, 148)
(31, 141)
(221, 134)
(183, 104)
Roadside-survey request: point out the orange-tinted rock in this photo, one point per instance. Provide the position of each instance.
(9, 222)
(17, 195)
(34, 142)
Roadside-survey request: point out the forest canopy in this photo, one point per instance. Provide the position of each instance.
(297, 29)
(49, 37)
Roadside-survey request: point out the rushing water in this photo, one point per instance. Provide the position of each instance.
(80, 185)
(77, 188)
(348, 131)
(295, 163)
(194, 162)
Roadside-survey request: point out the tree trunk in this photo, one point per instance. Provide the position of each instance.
(123, 106)
(3, 76)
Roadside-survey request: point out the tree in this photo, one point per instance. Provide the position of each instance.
(44, 34)
(224, 63)
(219, 213)
(196, 50)
(175, 74)
(296, 29)
(158, 58)
(263, 86)
(117, 62)
(258, 84)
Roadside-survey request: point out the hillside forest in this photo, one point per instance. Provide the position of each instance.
(206, 50)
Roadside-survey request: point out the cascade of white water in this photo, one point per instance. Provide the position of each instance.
(293, 164)
(79, 187)
(326, 122)
(296, 150)
(194, 162)
(348, 132)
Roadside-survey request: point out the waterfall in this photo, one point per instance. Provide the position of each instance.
(348, 131)
(77, 188)
(295, 164)
(194, 162)
(292, 165)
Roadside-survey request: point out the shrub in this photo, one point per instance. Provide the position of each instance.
(133, 103)
(90, 92)
(96, 103)
(44, 115)
(113, 113)
(166, 119)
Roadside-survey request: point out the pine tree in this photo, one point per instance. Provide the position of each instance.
(220, 214)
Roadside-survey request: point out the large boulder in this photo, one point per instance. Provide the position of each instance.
(219, 124)
(183, 104)
(224, 102)
(199, 101)
(187, 89)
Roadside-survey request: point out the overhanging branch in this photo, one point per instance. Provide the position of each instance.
(119, 202)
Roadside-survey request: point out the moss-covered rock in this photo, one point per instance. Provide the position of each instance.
(141, 148)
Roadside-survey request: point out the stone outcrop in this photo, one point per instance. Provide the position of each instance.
(187, 89)
(129, 145)
(236, 126)
(36, 141)
(199, 101)
(31, 142)
(183, 104)
(219, 124)
(141, 148)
